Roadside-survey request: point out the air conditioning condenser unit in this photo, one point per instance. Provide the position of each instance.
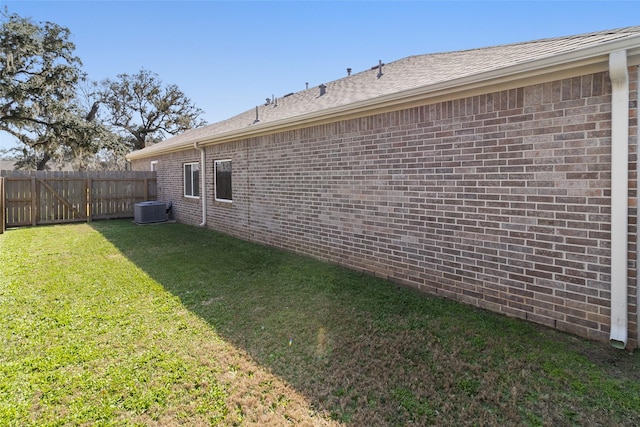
(149, 212)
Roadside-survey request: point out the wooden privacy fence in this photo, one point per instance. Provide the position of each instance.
(45, 197)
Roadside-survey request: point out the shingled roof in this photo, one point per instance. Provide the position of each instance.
(405, 79)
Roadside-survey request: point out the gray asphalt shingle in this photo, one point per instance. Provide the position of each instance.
(404, 74)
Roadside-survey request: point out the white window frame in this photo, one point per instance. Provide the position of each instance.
(153, 166)
(215, 180)
(191, 180)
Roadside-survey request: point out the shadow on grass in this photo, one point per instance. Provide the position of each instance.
(372, 353)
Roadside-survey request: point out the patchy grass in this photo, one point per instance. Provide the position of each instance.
(117, 324)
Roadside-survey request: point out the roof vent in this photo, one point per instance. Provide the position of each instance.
(257, 120)
(323, 89)
(380, 68)
(348, 71)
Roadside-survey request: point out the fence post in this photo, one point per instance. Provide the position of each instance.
(87, 191)
(2, 203)
(35, 201)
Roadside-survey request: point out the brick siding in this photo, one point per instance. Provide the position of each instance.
(170, 184)
(501, 200)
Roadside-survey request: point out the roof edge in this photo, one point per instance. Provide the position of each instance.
(593, 59)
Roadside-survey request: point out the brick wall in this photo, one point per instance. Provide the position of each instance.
(169, 170)
(500, 200)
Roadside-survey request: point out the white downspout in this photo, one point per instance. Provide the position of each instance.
(203, 192)
(619, 76)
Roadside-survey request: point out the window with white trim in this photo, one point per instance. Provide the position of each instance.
(154, 165)
(192, 179)
(222, 174)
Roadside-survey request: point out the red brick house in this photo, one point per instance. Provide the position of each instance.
(503, 177)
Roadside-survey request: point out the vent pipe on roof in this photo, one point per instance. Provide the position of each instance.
(348, 71)
(379, 68)
(307, 84)
(323, 89)
(257, 120)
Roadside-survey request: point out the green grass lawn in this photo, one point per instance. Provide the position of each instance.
(118, 324)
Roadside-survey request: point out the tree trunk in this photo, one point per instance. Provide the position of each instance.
(140, 140)
(92, 113)
(43, 162)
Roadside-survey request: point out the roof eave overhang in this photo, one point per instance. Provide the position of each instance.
(579, 62)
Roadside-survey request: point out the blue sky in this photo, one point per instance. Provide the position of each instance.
(229, 56)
